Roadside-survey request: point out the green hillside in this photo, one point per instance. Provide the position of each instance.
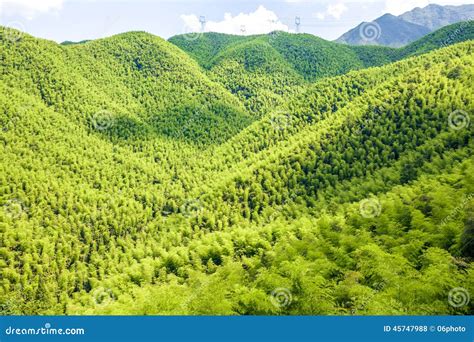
(443, 37)
(314, 57)
(135, 181)
(313, 51)
(146, 85)
(207, 46)
(309, 56)
(257, 74)
(265, 70)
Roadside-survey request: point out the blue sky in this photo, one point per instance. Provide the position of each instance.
(76, 20)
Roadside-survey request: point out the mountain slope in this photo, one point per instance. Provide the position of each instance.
(350, 206)
(392, 31)
(264, 71)
(314, 118)
(388, 30)
(287, 61)
(341, 196)
(209, 45)
(443, 37)
(435, 16)
(143, 84)
(311, 57)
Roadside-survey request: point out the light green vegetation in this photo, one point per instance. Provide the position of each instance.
(134, 180)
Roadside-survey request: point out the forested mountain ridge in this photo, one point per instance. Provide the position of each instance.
(314, 50)
(143, 80)
(264, 70)
(305, 53)
(304, 118)
(345, 197)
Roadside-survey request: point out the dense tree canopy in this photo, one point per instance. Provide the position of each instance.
(135, 181)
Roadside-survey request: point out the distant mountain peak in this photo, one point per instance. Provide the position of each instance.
(387, 16)
(435, 16)
(397, 31)
(387, 30)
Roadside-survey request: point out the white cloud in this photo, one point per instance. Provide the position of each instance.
(191, 22)
(29, 8)
(334, 11)
(258, 22)
(320, 15)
